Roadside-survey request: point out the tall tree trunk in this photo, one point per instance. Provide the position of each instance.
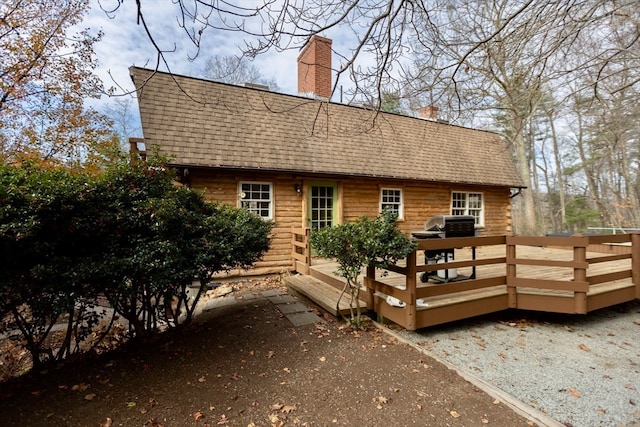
(527, 224)
(560, 183)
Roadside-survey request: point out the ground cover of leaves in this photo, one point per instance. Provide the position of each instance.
(246, 364)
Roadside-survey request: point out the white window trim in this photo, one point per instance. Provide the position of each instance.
(480, 223)
(401, 208)
(271, 196)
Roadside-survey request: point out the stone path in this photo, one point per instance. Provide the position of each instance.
(295, 311)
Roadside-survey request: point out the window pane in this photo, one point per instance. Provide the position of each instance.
(256, 198)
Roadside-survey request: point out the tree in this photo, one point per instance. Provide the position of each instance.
(235, 70)
(357, 244)
(45, 76)
(125, 120)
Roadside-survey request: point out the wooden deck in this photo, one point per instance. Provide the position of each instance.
(510, 272)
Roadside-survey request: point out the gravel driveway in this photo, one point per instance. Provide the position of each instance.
(582, 371)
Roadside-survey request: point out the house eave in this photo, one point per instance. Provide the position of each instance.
(337, 174)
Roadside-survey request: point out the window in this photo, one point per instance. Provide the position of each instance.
(468, 204)
(256, 197)
(391, 199)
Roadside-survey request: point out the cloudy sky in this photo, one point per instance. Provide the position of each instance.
(125, 44)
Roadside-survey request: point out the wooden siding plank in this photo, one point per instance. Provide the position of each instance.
(430, 291)
(471, 308)
(611, 297)
(460, 264)
(542, 241)
(547, 262)
(609, 258)
(549, 303)
(609, 277)
(610, 238)
(558, 285)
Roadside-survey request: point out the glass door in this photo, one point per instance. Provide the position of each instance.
(322, 204)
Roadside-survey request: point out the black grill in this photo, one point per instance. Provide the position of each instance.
(447, 226)
(443, 226)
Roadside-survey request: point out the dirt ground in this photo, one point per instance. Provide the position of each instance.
(246, 364)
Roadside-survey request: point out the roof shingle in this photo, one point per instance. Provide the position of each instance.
(210, 124)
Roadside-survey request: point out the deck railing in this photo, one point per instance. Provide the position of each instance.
(569, 281)
(555, 274)
(301, 250)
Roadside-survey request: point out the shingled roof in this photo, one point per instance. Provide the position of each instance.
(201, 123)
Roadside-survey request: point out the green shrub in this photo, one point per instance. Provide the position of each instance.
(357, 244)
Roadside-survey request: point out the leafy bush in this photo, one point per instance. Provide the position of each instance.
(130, 235)
(357, 244)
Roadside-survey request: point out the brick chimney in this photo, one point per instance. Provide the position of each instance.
(314, 68)
(430, 112)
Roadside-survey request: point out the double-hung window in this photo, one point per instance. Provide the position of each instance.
(391, 199)
(468, 204)
(257, 197)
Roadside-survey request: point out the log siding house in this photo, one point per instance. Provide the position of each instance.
(307, 162)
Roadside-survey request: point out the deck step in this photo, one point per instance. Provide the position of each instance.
(323, 294)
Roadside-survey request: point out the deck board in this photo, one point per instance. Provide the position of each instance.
(323, 294)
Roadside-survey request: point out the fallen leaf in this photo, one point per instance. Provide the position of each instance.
(575, 393)
(584, 347)
(270, 354)
(201, 379)
(273, 418)
(485, 421)
(276, 406)
(80, 387)
(496, 402)
(131, 404)
(223, 420)
(106, 423)
(602, 411)
(90, 396)
(322, 359)
(287, 370)
(454, 414)
(198, 416)
(287, 409)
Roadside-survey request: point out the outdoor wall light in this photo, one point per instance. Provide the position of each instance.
(298, 188)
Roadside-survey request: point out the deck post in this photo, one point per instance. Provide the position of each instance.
(512, 290)
(580, 274)
(635, 262)
(370, 291)
(411, 281)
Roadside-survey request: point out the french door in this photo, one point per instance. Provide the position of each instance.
(322, 204)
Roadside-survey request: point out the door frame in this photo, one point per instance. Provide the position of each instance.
(335, 217)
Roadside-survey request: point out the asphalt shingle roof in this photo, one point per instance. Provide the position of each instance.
(211, 124)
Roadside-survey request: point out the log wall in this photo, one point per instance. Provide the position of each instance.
(358, 197)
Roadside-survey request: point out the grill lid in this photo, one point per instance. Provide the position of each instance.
(449, 225)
